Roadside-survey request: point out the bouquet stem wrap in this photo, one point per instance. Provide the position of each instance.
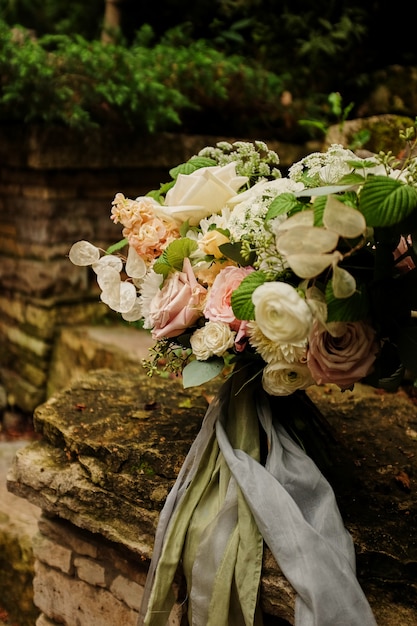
(232, 494)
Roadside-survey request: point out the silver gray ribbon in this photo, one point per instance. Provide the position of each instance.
(296, 512)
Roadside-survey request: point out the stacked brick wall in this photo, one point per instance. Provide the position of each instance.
(83, 580)
(56, 187)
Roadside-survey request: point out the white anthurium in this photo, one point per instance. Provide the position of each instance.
(108, 260)
(343, 283)
(203, 193)
(84, 253)
(121, 299)
(306, 240)
(343, 219)
(307, 265)
(135, 266)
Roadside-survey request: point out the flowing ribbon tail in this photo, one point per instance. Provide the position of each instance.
(298, 517)
(188, 470)
(207, 525)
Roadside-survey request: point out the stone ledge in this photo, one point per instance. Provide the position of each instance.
(113, 444)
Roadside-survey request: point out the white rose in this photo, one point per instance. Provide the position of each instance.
(282, 379)
(203, 193)
(281, 313)
(213, 339)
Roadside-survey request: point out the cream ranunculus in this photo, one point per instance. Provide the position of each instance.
(281, 313)
(202, 193)
(213, 339)
(282, 379)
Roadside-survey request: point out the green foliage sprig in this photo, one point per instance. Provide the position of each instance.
(79, 83)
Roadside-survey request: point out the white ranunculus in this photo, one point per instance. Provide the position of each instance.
(213, 339)
(203, 193)
(281, 313)
(282, 379)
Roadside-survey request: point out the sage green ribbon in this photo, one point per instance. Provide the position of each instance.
(207, 526)
(225, 503)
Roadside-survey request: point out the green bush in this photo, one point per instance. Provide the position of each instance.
(173, 84)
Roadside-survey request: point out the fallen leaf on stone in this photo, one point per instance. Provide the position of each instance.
(404, 480)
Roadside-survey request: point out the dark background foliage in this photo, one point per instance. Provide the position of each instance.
(299, 52)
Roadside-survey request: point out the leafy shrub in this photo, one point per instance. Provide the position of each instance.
(72, 81)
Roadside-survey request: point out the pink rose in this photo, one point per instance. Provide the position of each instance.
(343, 357)
(177, 305)
(219, 301)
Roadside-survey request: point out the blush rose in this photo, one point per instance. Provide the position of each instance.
(177, 305)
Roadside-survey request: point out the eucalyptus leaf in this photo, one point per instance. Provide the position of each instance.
(199, 372)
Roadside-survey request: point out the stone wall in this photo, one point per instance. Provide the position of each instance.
(56, 187)
(111, 447)
(81, 579)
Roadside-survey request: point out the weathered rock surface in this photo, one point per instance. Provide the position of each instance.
(112, 446)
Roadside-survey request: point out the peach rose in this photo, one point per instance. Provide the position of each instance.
(343, 357)
(177, 305)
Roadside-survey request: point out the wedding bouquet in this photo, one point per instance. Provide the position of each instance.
(276, 283)
(311, 276)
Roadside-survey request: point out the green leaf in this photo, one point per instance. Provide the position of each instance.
(173, 256)
(195, 163)
(198, 372)
(350, 309)
(200, 161)
(117, 246)
(385, 201)
(241, 300)
(360, 165)
(233, 251)
(284, 203)
(318, 210)
(352, 179)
